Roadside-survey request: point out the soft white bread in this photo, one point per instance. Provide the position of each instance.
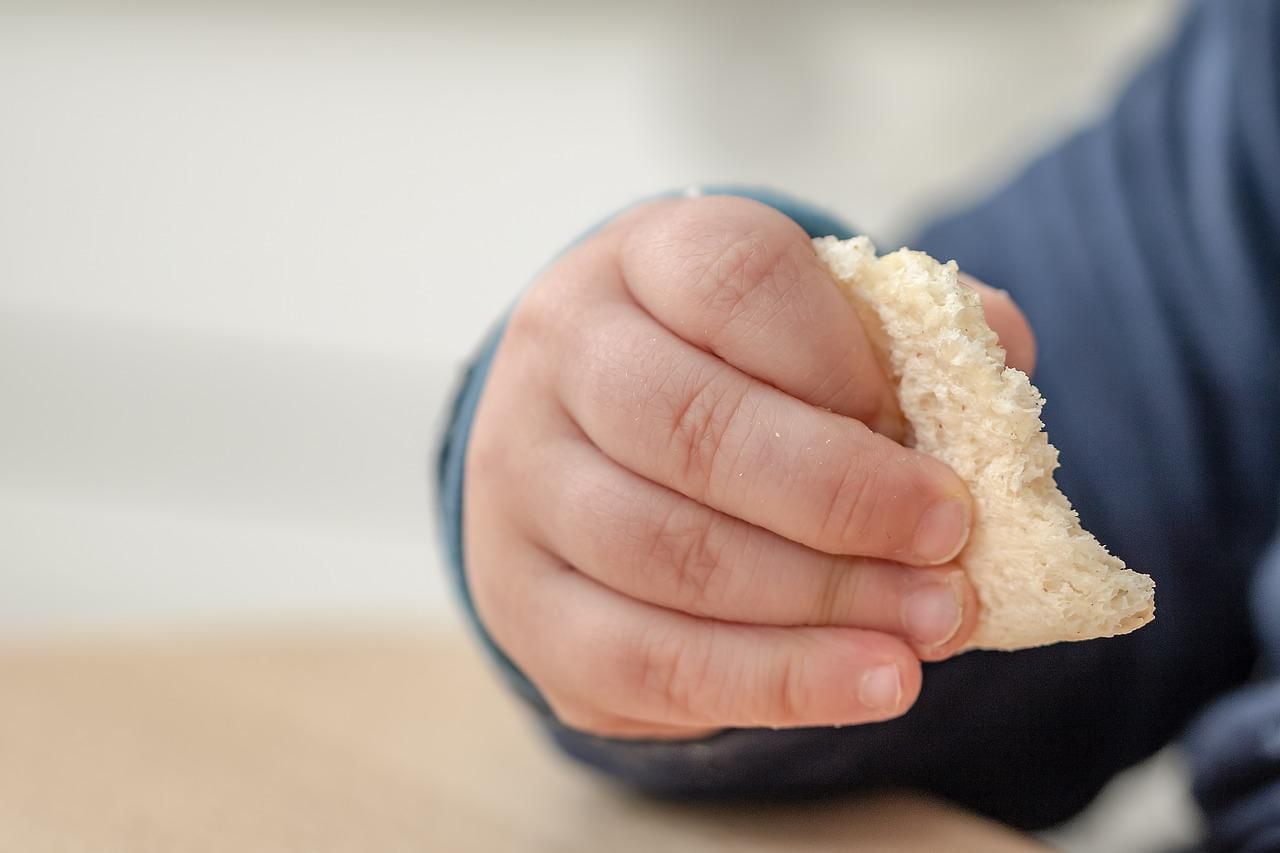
(1040, 576)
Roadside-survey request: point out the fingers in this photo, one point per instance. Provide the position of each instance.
(741, 280)
(1009, 323)
(612, 656)
(655, 545)
(682, 418)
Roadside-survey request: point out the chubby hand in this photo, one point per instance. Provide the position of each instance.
(686, 505)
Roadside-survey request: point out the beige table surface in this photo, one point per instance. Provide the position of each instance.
(350, 741)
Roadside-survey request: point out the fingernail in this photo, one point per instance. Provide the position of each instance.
(941, 532)
(881, 688)
(931, 614)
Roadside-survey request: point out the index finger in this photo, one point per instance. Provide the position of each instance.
(741, 280)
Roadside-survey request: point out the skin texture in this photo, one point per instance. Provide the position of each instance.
(686, 507)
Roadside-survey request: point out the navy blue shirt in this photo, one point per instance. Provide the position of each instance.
(1145, 252)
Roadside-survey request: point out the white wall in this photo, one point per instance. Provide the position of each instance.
(243, 252)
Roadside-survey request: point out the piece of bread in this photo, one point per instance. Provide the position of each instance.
(1040, 576)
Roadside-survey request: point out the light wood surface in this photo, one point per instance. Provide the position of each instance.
(351, 741)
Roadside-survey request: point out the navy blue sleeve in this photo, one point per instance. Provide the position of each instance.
(1234, 747)
(1144, 251)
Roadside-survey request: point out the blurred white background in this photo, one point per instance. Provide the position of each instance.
(245, 250)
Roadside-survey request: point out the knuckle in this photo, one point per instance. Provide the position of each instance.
(691, 550)
(535, 317)
(789, 700)
(702, 425)
(772, 693)
(528, 319)
(486, 455)
(724, 251)
(676, 674)
(726, 279)
(553, 308)
(850, 500)
(838, 594)
(723, 269)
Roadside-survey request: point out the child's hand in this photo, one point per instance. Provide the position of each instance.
(685, 507)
